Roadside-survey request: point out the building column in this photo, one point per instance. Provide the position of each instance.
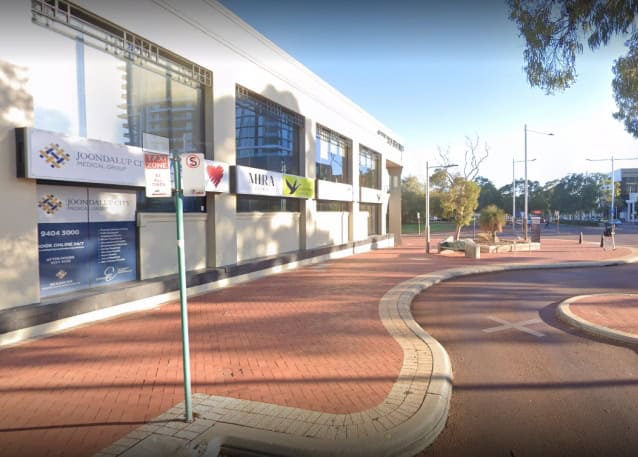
(308, 208)
(19, 265)
(222, 215)
(394, 203)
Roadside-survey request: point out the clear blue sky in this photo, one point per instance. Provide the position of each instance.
(436, 72)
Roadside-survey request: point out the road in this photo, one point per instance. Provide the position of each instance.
(538, 388)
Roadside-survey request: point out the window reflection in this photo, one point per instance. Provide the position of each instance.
(369, 168)
(267, 135)
(333, 156)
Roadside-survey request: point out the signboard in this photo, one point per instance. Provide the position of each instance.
(217, 177)
(157, 174)
(327, 190)
(369, 195)
(298, 187)
(155, 143)
(193, 175)
(48, 155)
(86, 237)
(254, 181)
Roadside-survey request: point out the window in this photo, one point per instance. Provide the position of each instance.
(330, 205)
(268, 136)
(374, 211)
(124, 86)
(333, 155)
(266, 204)
(369, 168)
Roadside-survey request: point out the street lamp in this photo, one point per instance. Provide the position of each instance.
(526, 192)
(427, 202)
(514, 192)
(613, 182)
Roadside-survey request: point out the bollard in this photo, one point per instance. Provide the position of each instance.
(580, 238)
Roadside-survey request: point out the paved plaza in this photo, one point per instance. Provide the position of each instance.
(325, 357)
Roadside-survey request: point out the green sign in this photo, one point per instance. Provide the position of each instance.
(296, 186)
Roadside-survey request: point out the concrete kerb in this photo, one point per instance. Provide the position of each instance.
(407, 421)
(565, 314)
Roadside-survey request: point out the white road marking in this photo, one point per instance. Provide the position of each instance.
(515, 325)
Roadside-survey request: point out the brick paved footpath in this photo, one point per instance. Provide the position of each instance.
(310, 338)
(615, 311)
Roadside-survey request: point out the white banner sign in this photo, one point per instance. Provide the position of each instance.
(369, 195)
(217, 177)
(157, 171)
(327, 190)
(254, 181)
(193, 175)
(53, 156)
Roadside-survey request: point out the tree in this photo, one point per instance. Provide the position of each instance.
(492, 220)
(554, 32)
(460, 192)
(489, 195)
(412, 199)
(460, 202)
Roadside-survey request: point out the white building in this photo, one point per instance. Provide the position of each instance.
(82, 85)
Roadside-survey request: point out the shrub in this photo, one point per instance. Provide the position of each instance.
(492, 220)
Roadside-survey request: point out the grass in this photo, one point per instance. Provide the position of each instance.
(435, 227)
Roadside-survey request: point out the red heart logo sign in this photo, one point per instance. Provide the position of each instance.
(215, 174)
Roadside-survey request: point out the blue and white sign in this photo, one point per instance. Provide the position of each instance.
(86, 237)
(53, 156)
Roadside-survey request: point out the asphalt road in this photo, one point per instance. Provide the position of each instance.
(539, 389)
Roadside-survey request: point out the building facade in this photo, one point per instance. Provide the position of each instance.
(293, 166)
(628, 178)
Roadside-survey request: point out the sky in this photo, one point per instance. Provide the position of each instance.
(439, 72)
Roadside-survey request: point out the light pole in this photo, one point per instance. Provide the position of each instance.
(514, 192)
(427, 202)
(613, 182)
(526, 192)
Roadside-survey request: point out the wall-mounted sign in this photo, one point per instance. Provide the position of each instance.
(155, 143)
(193, 175)
(86, 237)
(254, 181)
(48, 155)
(217, 177)
(298, 187)
(369, 195)
(327, 190)
(157, 172)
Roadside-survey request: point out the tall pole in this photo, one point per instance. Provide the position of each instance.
(525, 215)
(613, 191)
(181, 262)
(513, 198)
(427, 208)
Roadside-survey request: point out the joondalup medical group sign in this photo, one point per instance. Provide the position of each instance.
(86, 237)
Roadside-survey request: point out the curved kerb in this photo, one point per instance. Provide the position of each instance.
(408, 420)
(565, 314)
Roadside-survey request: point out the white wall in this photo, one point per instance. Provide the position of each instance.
(19, 279)
(266, 234)
(330, 227)
(158, 243)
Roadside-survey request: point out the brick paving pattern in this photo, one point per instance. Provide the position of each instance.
(308, 339)
(617, 312)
